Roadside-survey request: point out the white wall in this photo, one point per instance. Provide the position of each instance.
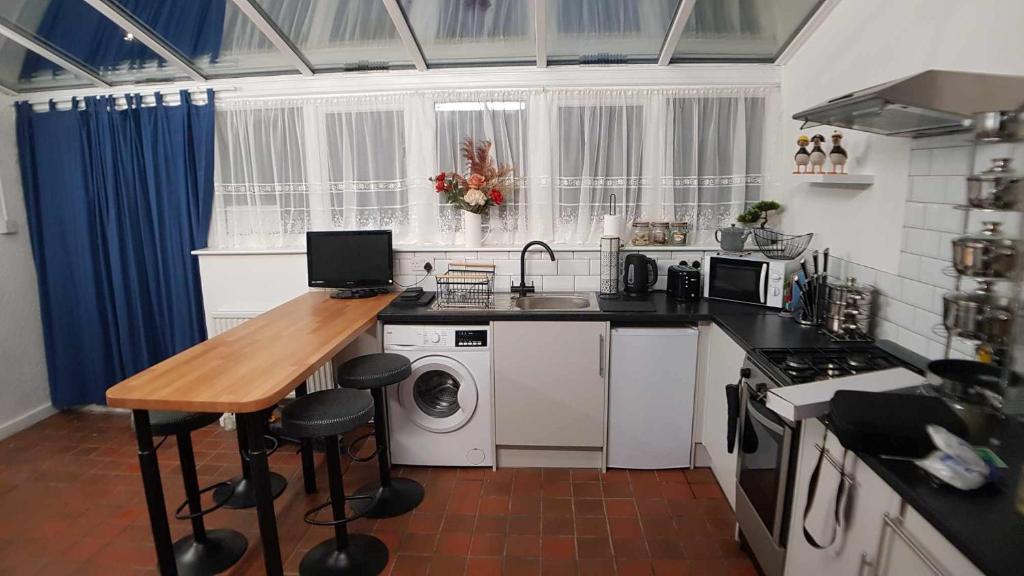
(24, 391)
(867, 42)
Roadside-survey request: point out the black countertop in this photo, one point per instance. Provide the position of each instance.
(982, 524)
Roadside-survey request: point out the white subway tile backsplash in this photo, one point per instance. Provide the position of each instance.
(912, 341)
(916, 293)
(921, 242)
(914, 214)
(910, 265)
(951, 161)
(542, 267)
(932, 271)
(587, 283)
(925, 323)
(920, 162)
(888, 284)
(899, 313)
(559, 284)
(573, 267)
(956, 190)
(927, 188)
(586, 255)
(943, 218)
(595, 267)
(510, 267)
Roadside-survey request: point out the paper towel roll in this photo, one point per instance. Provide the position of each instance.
(613, 225)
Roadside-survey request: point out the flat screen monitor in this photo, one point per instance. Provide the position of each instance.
(349, 259)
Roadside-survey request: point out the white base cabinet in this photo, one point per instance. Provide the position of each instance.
(881, 535)
(719, 366)
(550, 383)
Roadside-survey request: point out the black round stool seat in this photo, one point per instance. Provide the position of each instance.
(373, 371)
(326, 413)
(163, 423)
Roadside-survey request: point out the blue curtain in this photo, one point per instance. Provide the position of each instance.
(116, 201)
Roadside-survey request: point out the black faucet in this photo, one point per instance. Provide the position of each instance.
(523, 289)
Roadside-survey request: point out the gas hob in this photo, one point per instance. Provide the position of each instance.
(802, 365)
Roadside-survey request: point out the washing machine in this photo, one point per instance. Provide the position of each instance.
(441, 415)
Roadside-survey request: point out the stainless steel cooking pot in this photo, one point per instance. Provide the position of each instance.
(998, 187)
(985, 255)
(978, 315)
(999, 126)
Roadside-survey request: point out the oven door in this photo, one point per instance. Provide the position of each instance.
(764, 464)
(738, 279)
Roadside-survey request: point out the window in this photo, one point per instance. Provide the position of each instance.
(600, 153)
(504, 123)
(366, 171)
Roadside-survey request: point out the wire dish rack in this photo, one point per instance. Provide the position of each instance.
(779, 246)
(466, 285)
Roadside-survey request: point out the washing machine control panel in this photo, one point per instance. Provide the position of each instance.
(470, 338)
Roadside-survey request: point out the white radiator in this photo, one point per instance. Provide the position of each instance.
(322, 379)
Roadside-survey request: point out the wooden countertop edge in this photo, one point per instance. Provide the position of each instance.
(251, 405)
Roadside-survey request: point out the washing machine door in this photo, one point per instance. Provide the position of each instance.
(440, 395)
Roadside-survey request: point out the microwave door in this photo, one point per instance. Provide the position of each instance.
(738, 279)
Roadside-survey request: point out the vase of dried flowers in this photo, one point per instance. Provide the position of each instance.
(482, 187)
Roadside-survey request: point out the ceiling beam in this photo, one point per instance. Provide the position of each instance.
(675, 31)
(266, 25)
(805, 32)
(405, 33)
(540, 19)
(7, 90)
(20, 37)
(142, 33)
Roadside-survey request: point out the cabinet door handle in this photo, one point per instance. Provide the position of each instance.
(896, 525)
(600, 355)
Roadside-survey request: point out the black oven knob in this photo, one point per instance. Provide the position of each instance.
(761, 389)
(744, 372)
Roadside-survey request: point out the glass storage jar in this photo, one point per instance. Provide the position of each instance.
(678, 231)
(659, 233)
(641, 235)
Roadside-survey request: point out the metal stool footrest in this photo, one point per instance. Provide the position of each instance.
(310, 516)
(216, 503)
(351, 451)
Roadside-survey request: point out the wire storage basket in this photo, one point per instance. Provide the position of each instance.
(779, 246)
(466, 285)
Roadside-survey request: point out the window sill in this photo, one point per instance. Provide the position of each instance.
(427, 249)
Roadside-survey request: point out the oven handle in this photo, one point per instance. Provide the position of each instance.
(764, 419)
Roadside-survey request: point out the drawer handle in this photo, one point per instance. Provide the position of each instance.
(600, 355)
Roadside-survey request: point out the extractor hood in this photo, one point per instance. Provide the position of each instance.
(925, 104)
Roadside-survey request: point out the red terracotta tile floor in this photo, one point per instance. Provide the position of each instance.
(71, 502)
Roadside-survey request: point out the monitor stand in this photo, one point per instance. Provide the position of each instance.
(349, 294)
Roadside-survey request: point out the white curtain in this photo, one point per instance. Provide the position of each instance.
(717, 145)
(286, 166)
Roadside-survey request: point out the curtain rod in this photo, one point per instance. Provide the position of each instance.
(64, 102)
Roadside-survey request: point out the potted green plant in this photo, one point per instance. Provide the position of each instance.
(758, 211)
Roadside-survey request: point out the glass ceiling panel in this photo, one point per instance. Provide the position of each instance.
(340, 34)
(607, 31)
(80, 31)
(12, 60)
(464, 32)
(741, 29)
(214, 34)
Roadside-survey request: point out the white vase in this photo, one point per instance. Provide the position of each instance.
(473, 228)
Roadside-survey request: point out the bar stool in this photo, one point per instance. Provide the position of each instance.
(205, 551)
(238, 492)
(328, 414)
(373, 372)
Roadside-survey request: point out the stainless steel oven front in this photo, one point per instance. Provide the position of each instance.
(766, 465)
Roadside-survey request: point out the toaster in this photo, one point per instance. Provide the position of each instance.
(684, 282)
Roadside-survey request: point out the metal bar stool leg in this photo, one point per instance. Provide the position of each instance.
(397, 495)
(203, 552)
(308, 466)
(346, 554)
(154, 494)
(239, 491)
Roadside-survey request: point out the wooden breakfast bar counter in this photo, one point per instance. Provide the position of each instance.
(245, 370)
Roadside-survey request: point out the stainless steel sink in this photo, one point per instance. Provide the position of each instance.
(556, 302)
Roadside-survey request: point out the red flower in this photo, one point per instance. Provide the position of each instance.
(439, 185)
(441, 177)
(496, 196)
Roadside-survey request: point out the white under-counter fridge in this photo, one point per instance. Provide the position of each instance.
(651, 389)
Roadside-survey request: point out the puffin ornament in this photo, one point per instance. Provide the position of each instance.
(837, 155)
(802, 157)
(817, 155)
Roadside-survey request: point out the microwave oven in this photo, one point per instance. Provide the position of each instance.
(749, 278)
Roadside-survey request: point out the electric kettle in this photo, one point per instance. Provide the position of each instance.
(640, 274)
